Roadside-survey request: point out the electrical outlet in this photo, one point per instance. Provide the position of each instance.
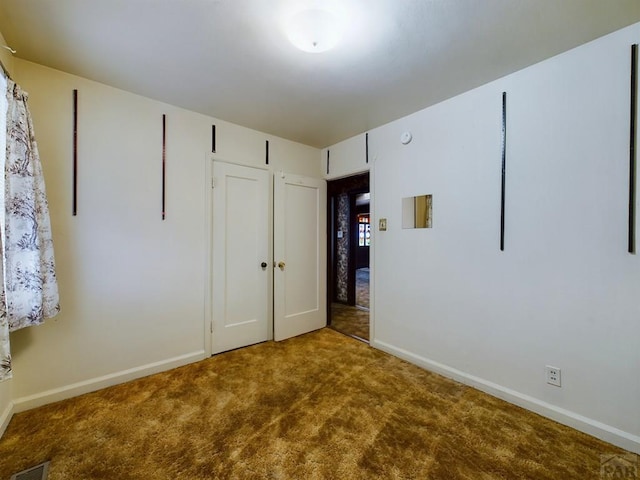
(553, 376)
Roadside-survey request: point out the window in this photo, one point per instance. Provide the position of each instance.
(364, 230)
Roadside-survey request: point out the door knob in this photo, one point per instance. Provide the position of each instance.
(263, 265)
(281, 265)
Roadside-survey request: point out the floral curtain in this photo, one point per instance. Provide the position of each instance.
(30, 290)
(5, 353)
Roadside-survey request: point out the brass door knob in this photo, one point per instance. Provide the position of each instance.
(281, 265)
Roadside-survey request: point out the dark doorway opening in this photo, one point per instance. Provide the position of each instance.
(349, 234)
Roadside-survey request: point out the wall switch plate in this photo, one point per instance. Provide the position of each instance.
(382, 224)
(553, 376)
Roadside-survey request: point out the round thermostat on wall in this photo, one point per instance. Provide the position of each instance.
(405, 137)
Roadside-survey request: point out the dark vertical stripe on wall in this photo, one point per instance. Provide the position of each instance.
(266, 152)
(632, 148)
(504, 168)
(213, 139)
(328, 158)
(74, 200)
(366, 147)
(164, 161)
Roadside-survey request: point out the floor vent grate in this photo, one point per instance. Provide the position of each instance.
(39, 472)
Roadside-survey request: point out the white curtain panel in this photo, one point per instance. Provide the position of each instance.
(5, 353)
(30, 289)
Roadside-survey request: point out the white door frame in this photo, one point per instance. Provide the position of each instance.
(208, 254)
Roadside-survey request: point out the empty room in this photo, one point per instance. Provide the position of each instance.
(319, 239)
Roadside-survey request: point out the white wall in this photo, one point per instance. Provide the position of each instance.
(565, 291)
(346, 158)
(6, 386)
(133, 287)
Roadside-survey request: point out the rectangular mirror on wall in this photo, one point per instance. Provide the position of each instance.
(417, 212)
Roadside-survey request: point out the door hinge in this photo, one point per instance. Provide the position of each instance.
(211, 327)
(213, 182)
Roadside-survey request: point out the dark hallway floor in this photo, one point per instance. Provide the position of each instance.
(354, 320)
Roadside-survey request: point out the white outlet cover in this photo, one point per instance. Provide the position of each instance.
(553, 375)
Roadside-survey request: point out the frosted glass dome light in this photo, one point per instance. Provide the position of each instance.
(314, 30)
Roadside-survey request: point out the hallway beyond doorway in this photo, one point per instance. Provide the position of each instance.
(350, 236)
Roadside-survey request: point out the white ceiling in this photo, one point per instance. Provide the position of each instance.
(231, 60)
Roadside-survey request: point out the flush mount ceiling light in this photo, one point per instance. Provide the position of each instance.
(315, 30)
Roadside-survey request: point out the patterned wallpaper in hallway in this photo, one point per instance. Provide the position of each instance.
(342, 250)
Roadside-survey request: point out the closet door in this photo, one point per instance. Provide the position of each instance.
(300, 252)
(240, 256)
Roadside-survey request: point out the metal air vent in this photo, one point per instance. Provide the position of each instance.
(39, 472)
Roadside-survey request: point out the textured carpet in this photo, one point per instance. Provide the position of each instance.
(362, 287)
(319, 406)
(350, 320)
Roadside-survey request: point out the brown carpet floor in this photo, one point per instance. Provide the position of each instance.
(319, 406)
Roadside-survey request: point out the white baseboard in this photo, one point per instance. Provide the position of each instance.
(589, 426)
(5, 418)
(93, 384)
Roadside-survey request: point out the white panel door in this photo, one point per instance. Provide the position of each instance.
(240, 256)
(300, 252)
